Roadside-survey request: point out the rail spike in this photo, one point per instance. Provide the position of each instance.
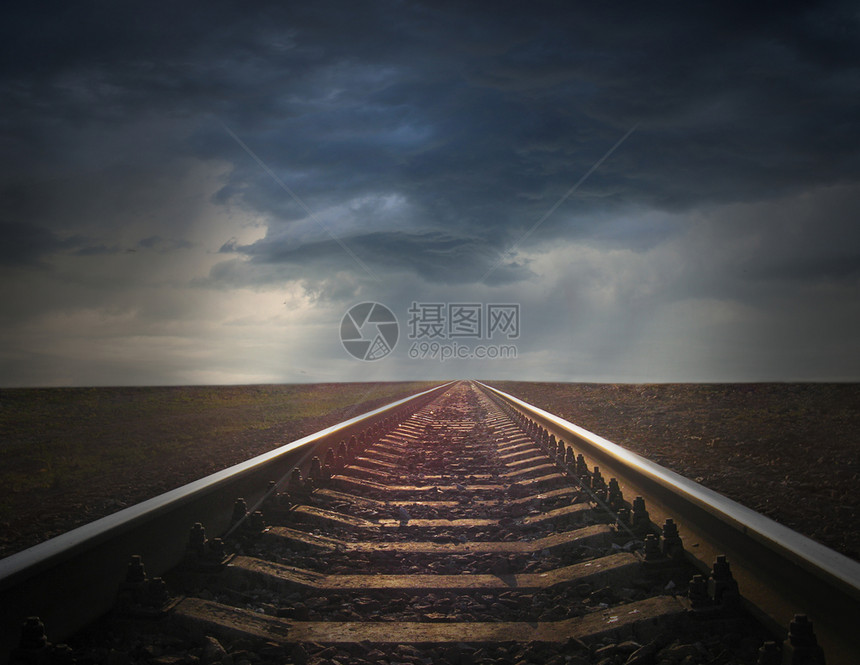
(581, 466)
(640, 519)
(673, 547)
(197, 540)
(240, 511)
(769, 654)
(801, 647)
(722, 586)
(35, 649)
(139, 595)
(33, 635)
(614, 496)
(295, 485)
(203, 554)
(329, 459)
(697, 593)
(315, 473)
(597, 481)
(652, 548)
(255, 522)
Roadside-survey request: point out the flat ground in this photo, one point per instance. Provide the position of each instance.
(72, 455)
(789, 451)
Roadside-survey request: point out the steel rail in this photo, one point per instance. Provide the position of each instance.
(72, 579)
(780, 572)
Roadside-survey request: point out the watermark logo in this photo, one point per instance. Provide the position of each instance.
(437, 331)
(369, 331)
(463, 320)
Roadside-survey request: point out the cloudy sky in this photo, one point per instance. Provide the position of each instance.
(199, 192)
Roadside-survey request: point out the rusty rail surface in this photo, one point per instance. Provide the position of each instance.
(83, 569)
(780, 572)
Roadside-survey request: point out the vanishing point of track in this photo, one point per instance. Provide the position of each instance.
(458, 526)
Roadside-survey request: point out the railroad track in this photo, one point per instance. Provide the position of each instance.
(458, 526)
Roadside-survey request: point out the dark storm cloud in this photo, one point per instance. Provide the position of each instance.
(482, 115)
(815, 240)
(31, 245)
(25, 244)
(393, 148)
(733, 106)
(434, 256)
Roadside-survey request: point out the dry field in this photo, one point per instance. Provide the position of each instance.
(789, 451)
(72, 455)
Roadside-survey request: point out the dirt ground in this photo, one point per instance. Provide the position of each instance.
(73, 455)
(789, 451)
